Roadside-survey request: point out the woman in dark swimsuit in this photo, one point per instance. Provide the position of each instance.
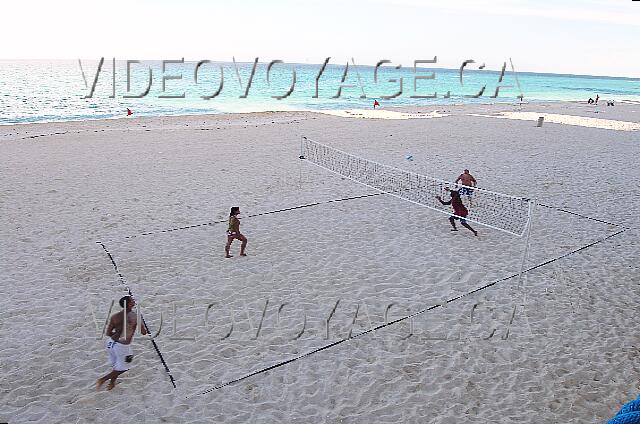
(233, 232)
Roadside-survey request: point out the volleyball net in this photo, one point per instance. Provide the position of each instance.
(499, 211)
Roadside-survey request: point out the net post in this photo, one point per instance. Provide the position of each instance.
(300, 164)
(302, 139)
(525, 253)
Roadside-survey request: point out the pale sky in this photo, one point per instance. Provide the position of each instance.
(596, 37)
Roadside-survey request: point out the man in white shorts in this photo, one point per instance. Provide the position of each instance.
(120, 331)
(468, 184)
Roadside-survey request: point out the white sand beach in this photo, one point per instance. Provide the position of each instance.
(560, 347)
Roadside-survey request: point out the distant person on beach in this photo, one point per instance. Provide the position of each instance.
(119, 344)
(468, 182)
(459, 210)
(590, 101)
(233, 232)
(375, 103)
(597, 98)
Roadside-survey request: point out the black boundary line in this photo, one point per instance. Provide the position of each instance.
(476, 290)
(580, 215)
(308, 205)
(124, 282)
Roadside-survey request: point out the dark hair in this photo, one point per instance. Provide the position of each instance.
(123, 299)
(235, 210)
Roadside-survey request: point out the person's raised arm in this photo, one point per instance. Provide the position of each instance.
(448, 202)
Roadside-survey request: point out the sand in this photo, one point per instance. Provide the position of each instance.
(560, 346)
(555, 118)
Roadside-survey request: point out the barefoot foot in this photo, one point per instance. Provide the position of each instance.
(99, 384)
(111, 385)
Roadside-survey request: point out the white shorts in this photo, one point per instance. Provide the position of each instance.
(117, 355)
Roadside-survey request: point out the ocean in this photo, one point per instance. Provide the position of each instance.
(44, 91)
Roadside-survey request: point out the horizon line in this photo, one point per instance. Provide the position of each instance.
(632, 78)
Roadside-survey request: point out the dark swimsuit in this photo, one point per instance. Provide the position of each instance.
(230, 229)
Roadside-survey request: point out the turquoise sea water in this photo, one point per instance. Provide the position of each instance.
(41, 91)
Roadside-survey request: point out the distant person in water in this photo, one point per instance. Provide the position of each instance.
(459, 210)
(120, 330)
(468, 182)
(233, 232)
